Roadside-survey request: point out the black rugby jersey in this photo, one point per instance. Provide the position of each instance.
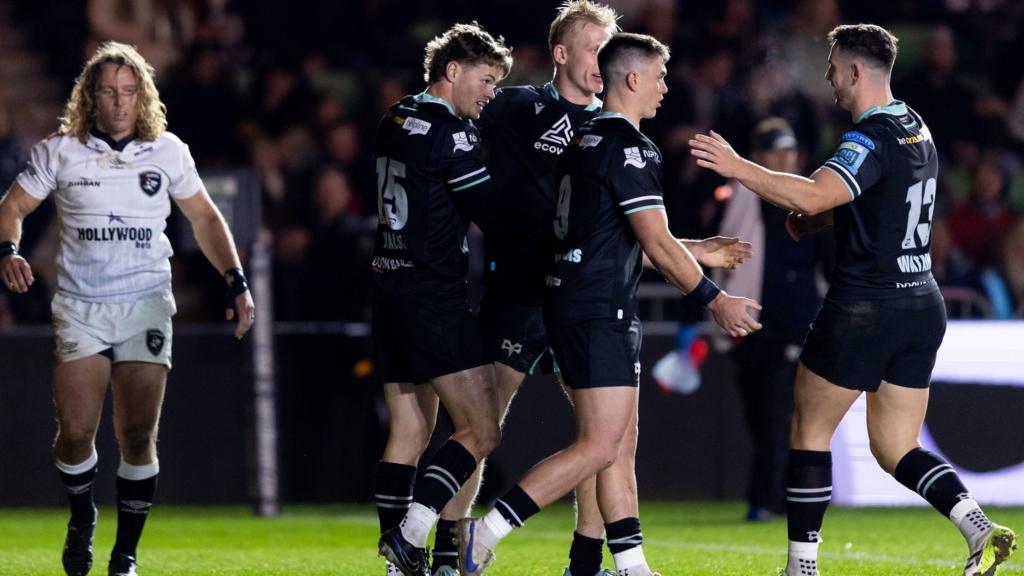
(426, 159)
(526, 129)
(610, 171)
(889, 165)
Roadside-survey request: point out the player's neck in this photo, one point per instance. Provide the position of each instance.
(569, 91)
(442, 90)
(873, 99)
(617, 105)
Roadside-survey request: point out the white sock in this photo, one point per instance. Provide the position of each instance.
(803, 559)
(969, 518)
(632, 558)
(417, 523)
(495, 527)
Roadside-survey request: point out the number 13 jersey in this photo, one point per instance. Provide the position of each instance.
(889, 165)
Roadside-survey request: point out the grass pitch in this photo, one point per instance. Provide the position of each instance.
(679, 539)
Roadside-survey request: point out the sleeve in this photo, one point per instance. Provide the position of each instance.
(635, 178)
(466, 175)
(859, 161)
(185, 181)
(39, 178)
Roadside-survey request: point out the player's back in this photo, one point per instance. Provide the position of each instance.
(421, 233)
(612, 170)
(526, 129)
(889, 164)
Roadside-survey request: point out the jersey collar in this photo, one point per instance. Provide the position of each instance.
(424, 97)
(592, 107)
(896, 108)
(115, 145)
(617, 115)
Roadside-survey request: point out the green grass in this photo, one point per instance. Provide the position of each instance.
(680, 539)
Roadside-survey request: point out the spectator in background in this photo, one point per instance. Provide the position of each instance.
(159, 29)
(782, 276)
(979, 225)
(337, 266)
(1004, 283)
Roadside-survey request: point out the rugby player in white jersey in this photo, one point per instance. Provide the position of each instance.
(112, 169)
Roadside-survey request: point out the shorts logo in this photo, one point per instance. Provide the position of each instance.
(66, 347)
(633, 157)
(508, 346)
(150, 182)
(154, 341)
(461, 142)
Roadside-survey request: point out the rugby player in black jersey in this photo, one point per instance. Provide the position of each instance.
(431, 181)
(609, 213)
(883, 318)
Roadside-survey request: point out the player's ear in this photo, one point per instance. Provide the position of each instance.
(560, 54)
(451, 71)
(632, 80)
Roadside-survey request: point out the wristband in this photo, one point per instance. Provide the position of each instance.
(706, 291)
(237, 284)
(8, 249)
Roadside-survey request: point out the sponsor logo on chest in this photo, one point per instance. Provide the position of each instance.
(555, 139)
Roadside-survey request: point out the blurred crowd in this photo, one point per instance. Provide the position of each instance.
(293, 90)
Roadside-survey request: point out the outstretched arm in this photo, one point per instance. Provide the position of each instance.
(217, 244)
(823, 191)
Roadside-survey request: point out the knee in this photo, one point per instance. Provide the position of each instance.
(888, 454)
(136, 441)
(74, 440)
(599, 455)
(413, 435)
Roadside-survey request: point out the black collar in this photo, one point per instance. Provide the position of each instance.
(117, 145)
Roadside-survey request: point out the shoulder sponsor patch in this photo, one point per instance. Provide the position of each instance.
(633, 157)
(590, 141)
(461, 142)
(851, 155)
(858, 138)
(415, 126)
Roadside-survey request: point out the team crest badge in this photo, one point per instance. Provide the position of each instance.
(150, 181)
(154, 341)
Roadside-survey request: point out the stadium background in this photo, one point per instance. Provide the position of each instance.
(278, 101)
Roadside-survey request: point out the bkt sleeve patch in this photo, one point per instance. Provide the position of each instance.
(851, 155)
(859, 139)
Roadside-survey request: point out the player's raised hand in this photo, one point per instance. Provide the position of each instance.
(730, 312)
(712, 151)
(16, 273)
(723, 252)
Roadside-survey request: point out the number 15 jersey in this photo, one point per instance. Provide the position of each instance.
(889, 165)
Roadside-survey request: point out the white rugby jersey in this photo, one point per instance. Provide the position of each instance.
(112, 208)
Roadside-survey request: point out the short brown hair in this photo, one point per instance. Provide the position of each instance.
(625, 47)
(867, 40)
(467, 44)
(573, 12)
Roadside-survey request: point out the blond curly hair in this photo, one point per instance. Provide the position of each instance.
(80, 110)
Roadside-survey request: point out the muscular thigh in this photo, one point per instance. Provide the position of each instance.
(79, 388)
(138, 390)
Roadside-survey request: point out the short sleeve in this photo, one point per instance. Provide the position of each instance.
(858, 161)
(39, 178)
(635, 179)
(462, 164)
(185, 181)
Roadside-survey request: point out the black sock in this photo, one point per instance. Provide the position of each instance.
(392, 491)
(585, 555)
(444, 476)
(516, 506)
(623, 535)
(444, 552)
(79, 488)
(134, 499)
(808, 492)
(931, 477)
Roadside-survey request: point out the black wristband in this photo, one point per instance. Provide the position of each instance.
(706, 291)
(237, 284)
(8, 249)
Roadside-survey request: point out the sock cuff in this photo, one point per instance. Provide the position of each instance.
(626, 527)
(803, 549)
(136, 472)
(403, 473)
(516, 506)
(629, 558)
(809, 458)
(75, 469)
(584, 540)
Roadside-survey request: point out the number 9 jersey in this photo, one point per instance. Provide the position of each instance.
(427, 161)
(889, 165)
